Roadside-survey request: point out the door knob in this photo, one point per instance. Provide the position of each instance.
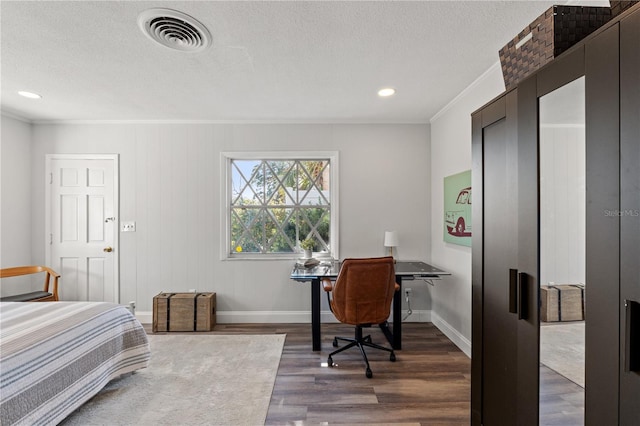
(107, 249)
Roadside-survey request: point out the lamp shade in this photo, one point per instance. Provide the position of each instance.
(390, 239)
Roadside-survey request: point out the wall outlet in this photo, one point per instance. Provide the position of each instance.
(192, 290)
(129, 226)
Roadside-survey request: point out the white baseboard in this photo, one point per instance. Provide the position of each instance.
(145, 317)
(454, 335)
(265, 317)
(284, 317)
(417, 316)
(304, 317)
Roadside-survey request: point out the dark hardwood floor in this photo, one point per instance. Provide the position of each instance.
(561, 400)
(428, 384)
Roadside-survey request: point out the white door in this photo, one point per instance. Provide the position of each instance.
(82, 225)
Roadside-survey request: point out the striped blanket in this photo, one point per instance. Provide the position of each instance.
(56, 355)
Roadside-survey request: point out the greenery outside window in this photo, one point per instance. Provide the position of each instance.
(276, 200)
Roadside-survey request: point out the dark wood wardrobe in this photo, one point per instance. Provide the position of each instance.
(506, 243)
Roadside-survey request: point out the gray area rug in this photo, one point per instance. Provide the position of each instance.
(192, 380)
(562, 349)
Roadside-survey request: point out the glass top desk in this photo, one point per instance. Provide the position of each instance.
(405, 270)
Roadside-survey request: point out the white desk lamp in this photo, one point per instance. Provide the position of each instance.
(391, 240)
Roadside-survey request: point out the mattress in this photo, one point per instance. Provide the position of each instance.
(54, 356)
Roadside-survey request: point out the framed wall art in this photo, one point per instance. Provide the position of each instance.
(457, 208)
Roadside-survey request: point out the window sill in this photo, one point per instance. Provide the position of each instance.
(285, 257)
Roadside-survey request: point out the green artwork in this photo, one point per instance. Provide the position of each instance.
(457, 209)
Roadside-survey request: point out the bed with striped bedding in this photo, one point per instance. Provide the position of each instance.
(56, 355)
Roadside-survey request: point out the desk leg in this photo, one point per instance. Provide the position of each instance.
(397, 316)
(315, 314)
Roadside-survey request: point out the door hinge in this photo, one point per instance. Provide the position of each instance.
(50, 178)
(50, 239)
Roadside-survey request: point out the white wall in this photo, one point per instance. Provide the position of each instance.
(562, 204)
(450, 154)
(170, 185)
(15, 206)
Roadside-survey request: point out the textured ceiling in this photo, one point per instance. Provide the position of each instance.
(270, 61)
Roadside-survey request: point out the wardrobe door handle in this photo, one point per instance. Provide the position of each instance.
(632, 336)
(522, 295)
(513, 291)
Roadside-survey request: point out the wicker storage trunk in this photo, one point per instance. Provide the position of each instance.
(553, 32)
(184, 312)
(619, 6)
(563, 302)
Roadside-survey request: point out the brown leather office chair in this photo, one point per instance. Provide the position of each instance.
(362, 296)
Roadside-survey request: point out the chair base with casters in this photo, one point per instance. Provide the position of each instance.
(361, 342)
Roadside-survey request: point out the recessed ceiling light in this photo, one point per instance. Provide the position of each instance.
(29, 95)
(387, 91)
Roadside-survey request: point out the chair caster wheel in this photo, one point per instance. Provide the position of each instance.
(392, 357)
(335, 343)
(330, 362)
(369, 374)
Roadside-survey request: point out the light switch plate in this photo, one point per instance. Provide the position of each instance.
(129, 226)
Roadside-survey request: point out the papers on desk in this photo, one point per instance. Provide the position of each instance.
(308, 263)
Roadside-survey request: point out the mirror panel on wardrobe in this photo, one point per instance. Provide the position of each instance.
(562, 254)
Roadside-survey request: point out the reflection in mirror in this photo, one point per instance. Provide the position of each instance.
(562, 254)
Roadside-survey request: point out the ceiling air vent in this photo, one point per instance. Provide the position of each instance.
(174, 30)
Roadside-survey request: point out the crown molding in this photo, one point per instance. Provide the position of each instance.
(15, 117)
(425, 122)
(468, 89)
